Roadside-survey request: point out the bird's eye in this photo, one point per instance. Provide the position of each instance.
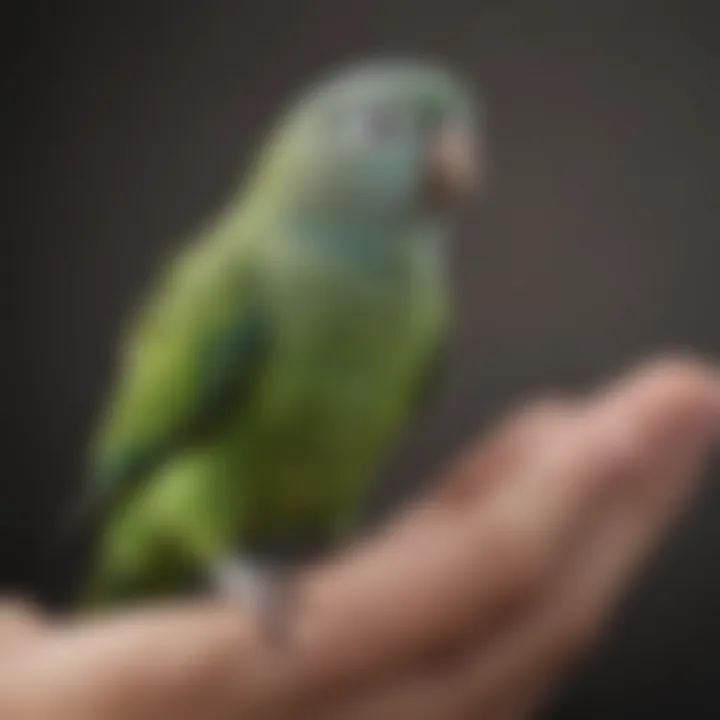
(380, 124)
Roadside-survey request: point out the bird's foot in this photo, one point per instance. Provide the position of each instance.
(266, 589)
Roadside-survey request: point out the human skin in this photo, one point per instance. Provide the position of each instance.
(475, 603)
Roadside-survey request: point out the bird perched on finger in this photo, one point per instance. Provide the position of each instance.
(287, 346)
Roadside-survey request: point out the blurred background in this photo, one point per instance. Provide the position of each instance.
(596, 243)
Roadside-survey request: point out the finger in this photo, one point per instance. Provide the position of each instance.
(503, 451)
(676, 410)
(623, 428)
(479, 470)
(671, 415)
(579, 609)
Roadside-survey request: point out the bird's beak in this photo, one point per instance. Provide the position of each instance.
(453, 162)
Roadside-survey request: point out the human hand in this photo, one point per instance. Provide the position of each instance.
(473, 604)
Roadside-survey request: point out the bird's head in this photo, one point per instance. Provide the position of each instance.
(385, 138)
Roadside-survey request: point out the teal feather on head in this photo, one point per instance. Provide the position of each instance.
(357, 143)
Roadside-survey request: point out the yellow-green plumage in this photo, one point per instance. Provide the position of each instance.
(286, 347)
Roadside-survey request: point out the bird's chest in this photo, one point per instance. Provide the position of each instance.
(349, 354)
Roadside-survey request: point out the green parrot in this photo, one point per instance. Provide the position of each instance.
(289, 344)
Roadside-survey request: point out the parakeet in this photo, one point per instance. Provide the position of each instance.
(287, 346)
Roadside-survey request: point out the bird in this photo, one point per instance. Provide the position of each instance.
(286, 347)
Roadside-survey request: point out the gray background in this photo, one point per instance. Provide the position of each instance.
(596, 243)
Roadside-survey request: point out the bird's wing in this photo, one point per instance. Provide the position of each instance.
(194, 352)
